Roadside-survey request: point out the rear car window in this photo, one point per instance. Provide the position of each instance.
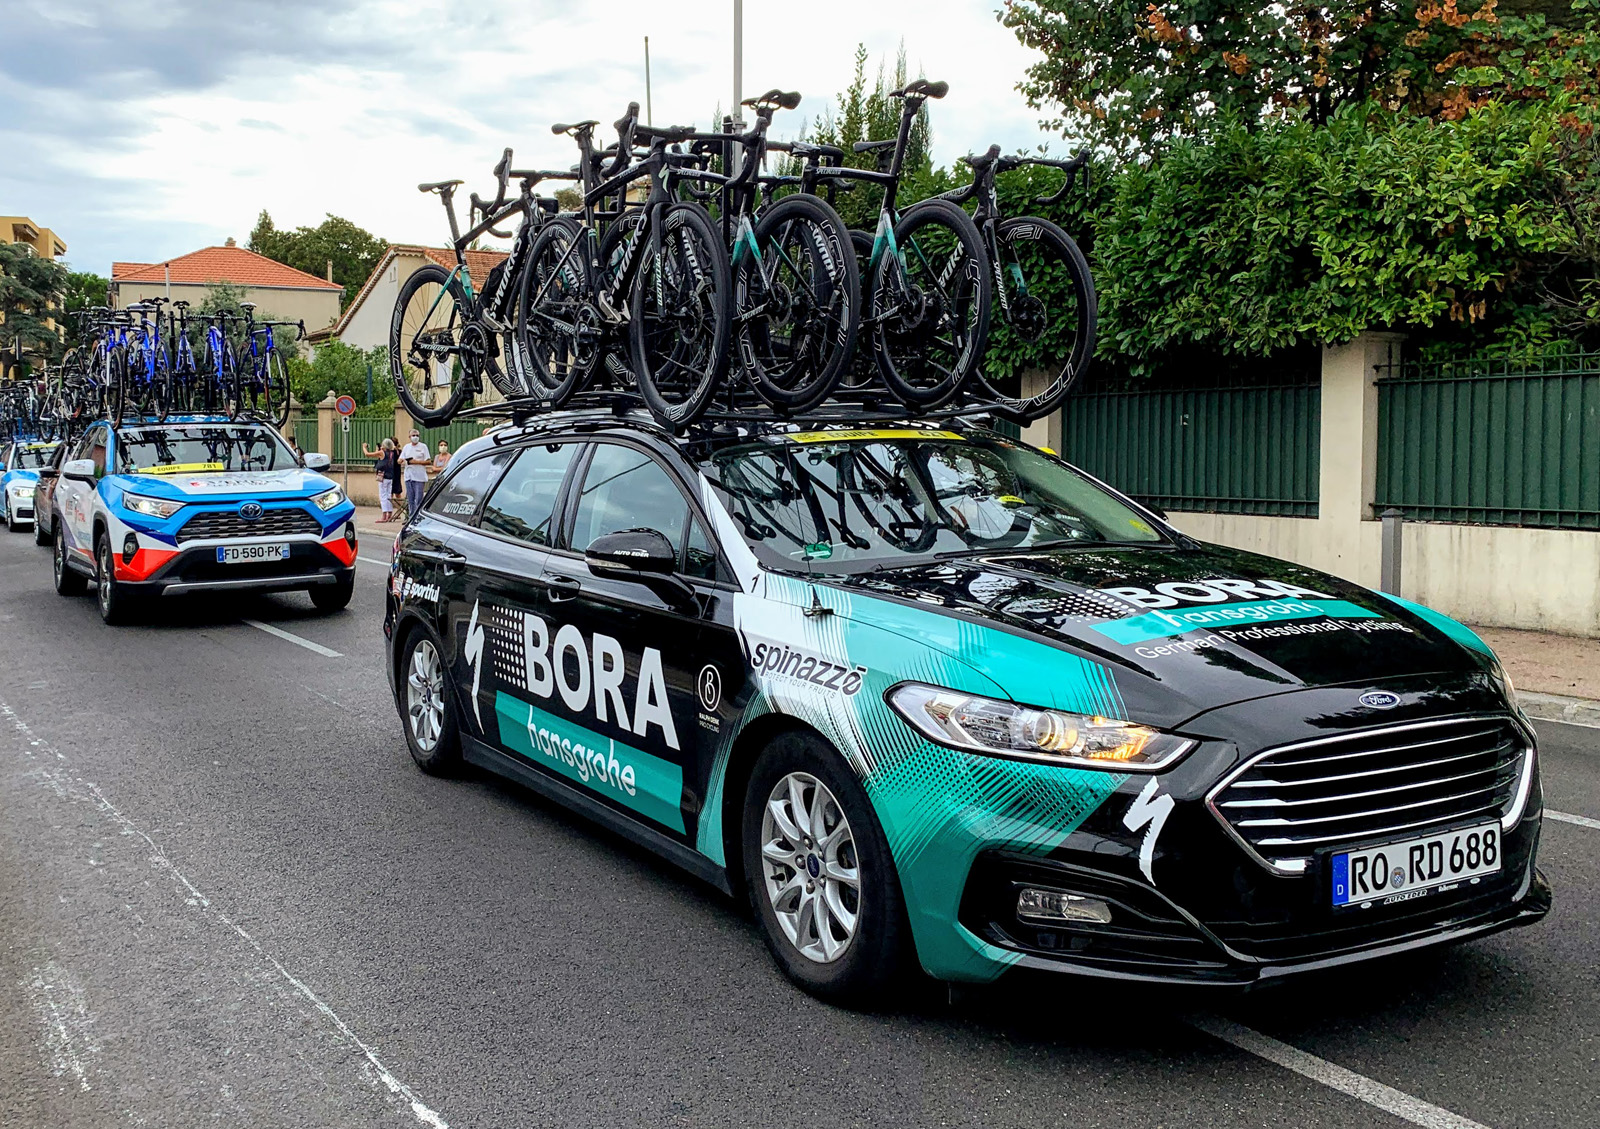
(461, 493)
(523, 504)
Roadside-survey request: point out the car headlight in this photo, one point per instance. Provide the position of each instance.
(151, 507)
(20, 489)
(329, 498)
(1006, 729)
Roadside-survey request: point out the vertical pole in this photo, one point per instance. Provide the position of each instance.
(1389, 559)
(738, 56)
(369, 382)
(344, 425)
(649, 112)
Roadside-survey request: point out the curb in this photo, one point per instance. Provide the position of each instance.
(1556, 707)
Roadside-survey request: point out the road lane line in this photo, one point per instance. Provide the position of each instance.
(328, 652)
(1580, 820)
(71, 787)
(1358, 1086)
(374, 561)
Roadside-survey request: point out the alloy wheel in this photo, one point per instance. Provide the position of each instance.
(103, 580)
(812, 874)
(425, 696)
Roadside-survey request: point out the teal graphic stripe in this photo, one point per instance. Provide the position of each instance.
(633, 778)
(1460, 632)
(1159, 625)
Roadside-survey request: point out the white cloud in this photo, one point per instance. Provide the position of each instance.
(156, 128)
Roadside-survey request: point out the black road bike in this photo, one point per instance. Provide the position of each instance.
(444, 335)
(1044, 293)
(665, 289)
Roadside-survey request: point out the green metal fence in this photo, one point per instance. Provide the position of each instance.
(1241, 449)
(305, 433)
(1482, 441)
(372, 430)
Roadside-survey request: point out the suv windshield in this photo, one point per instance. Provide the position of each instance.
(200, 448)
(33, 456)
(826, 503)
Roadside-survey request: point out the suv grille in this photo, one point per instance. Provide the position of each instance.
(1289, 803)
(228, 523)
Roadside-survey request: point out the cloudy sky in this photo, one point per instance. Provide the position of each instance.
(142, 130)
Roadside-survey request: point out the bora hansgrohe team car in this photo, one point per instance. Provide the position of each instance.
(928, 696)
(198, 504)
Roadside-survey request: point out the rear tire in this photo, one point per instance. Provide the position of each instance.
(334, 597)
(831, 911)
(69, 582)
(422, 317)
(558, 337)
(427, 710)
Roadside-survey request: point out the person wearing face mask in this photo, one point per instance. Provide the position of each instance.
(416, 459)
(388, 467)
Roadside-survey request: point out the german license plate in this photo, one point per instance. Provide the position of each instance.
(252, 554)
(1411, 868)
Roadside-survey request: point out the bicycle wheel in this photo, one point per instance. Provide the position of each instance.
(275, 389)
(558, 329)
(245, 395)
(214, 380)
(430, 359)
(1045, 315)
(929, 305)
(680, 317)
(797, 301)
(116, 385)
(160, 398)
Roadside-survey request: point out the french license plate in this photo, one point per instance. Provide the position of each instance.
(252, 554)
(1397, 872)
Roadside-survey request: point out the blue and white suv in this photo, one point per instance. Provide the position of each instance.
(198, 504)
(19, 475)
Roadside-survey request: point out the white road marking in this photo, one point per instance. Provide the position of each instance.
(374, 561)
(1580, 820)
(1358, 1086)
(327, 652)
(60, 1004)
(74, 788)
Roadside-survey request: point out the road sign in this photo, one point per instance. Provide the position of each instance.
(345, 406)
(344, 424)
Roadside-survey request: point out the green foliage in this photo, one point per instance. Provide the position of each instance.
(340, 369)
(1132, 75)
(82, 290)
(31, 292)
(352, 250)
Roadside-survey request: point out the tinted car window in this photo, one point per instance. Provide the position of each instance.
(462, 492)
(700, 559)
(627, 489)
(524, 503)
(32, 456)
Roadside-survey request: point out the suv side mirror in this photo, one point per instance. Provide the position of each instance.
(49, 472)
(80, 469)
(316, 460)
(632, 550)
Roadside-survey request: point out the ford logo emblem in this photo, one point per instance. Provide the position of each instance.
(1380, 700)
(252, 511)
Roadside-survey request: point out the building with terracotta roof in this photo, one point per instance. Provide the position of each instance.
(365, 323)
(278, 291)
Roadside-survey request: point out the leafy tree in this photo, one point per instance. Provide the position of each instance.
(82, 290)
(31, 291)
(1134, 75)
(340, 369)
(352, 250)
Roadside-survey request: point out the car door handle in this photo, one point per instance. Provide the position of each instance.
(561, 587)
(450, 562)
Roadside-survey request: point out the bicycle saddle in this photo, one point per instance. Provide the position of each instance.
(786, 100)
(871, 146)
(925, 89)
(562, 127)
(439, 186)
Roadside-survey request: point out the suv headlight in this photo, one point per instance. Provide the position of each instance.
(20, 489)
(151, 507)
(329, 498)
(1005, 729)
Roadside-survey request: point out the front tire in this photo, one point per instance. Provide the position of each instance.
(334, 597)
(41, 535)
(427, 712)
(820, 876)
(115, 602)
(427, 342)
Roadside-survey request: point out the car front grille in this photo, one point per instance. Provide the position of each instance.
(1287, 804)
(228, 523)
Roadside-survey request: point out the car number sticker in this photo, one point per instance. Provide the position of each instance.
(183, 468)
(1413, 867)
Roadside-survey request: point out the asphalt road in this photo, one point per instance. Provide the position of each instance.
(226, 896)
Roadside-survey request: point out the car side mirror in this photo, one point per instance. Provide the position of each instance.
(632, 550)
(48, 472)
(80, 469)
(316, 460)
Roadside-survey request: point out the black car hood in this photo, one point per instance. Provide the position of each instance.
(1187, 629)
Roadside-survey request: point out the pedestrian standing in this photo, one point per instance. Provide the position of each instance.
(388, 477)
(442, 459)
(415, 458)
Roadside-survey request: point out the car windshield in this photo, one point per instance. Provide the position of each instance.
(33, 456)
(201, 448)
(854, 501)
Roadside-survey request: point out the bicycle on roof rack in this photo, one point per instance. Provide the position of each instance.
(260, 377)
(444, 335)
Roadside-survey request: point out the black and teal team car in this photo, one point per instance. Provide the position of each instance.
(924, 693)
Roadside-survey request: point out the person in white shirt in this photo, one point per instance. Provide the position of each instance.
(416, 459)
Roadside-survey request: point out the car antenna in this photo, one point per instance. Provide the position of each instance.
(817, 608)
